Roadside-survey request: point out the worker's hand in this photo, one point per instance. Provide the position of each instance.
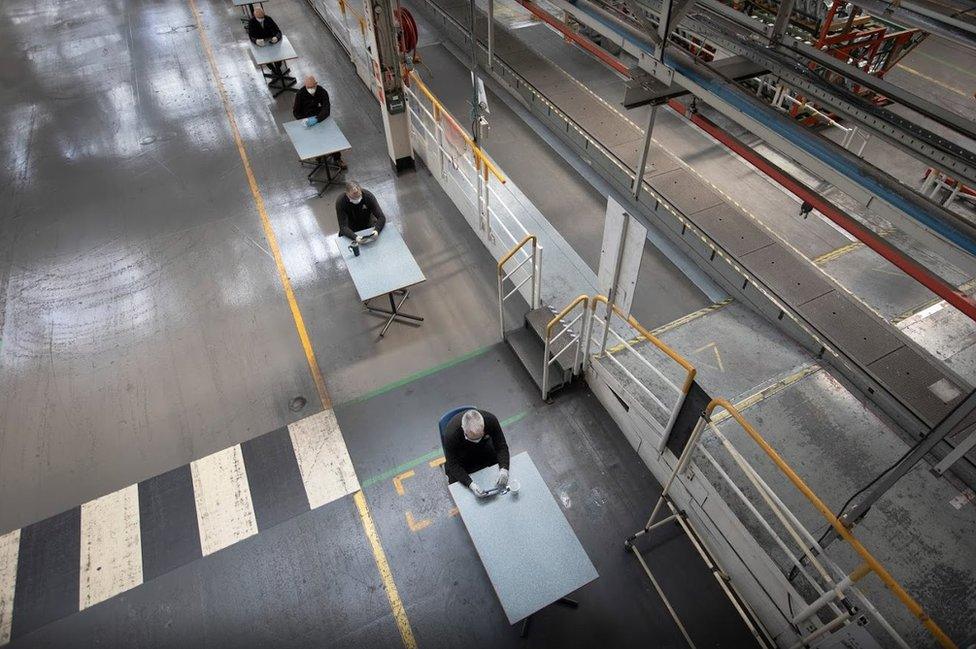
(274, 39)
(260, 42)
(476, 490)
(502, 478)
(360, 238)
(311, 121)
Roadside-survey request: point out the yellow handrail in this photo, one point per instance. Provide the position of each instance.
(873, 564)
(675, 356)
(559, 316)
(518, 246)
(478, 153)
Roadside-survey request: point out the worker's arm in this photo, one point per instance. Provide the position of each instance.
(452, 465)
(253, 30)
(374, 207)
(343, 218)
(298, 110)
(272, 28)
(326, 105)
(494, 430)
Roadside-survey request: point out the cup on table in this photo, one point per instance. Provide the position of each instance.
(355, 249)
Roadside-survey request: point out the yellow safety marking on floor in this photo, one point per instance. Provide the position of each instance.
(225, 512)
(718, 357)
(399, 612)
(9, 552)
(111, 546)
(767, 392)
(437, 462)
(398, 481)
(674, 324)
(839, 252)
(958, 91)
(416, 526)
(269, 234)
(323, 459)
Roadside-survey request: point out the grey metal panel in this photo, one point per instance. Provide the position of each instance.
(658, 160)
(529, 550)
(685, 191)
(850, 327)
(915, 379)
(793, 279)
(383, 265)
(732, 229)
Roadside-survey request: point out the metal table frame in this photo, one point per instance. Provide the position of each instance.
(280, 80)
(394, 311)
(331, 167)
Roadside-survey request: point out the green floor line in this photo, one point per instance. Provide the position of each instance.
(427, 457)
(418, 375)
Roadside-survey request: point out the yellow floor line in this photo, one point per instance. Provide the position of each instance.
(674, 324)
(958, 91)
(386, 574)
(769, 391)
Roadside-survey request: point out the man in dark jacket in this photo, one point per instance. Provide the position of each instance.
(357, 209)
(263, 30)
(474, 440)
(312, 105)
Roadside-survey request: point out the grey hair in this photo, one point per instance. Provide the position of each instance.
(352, 185)
(472, 422)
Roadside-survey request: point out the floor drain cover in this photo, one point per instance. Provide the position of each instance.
(297, 404)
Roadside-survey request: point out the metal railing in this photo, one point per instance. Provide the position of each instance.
(650, 356)
(575, 339)
(531, 274)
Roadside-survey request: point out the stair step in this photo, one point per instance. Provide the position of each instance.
(537, 319)
(528, 349)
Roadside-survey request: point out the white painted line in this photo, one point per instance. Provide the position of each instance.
(9, 550)
(323, 459)
(225, 513)
(111, 546)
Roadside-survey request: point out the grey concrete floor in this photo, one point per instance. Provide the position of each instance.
(144, 324)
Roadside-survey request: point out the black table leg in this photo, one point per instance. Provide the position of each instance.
(332, 172)
(565, 601)
(280, 81)
(394, 311)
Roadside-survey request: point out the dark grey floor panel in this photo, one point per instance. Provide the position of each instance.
(787, 275)
(277, 490)
(658, 161)
(685, 191)
(310, 582)
(168, 522)
(917, 381)
(850, 327)
(732, 229)
(47, 572)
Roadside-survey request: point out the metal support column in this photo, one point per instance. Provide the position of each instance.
(782, 20)
(642, 163)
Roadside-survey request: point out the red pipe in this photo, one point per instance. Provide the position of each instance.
(918, 272)
(582, 41)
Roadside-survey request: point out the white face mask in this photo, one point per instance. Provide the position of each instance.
(312, 90)
(356, 201)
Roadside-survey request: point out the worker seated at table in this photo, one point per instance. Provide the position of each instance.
(472, 441)
(312, 105)
(357, 209)
(263, 30)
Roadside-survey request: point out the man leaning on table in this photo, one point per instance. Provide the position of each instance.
(357, 210)
(472, 441)
(263, 30)
(312, 105)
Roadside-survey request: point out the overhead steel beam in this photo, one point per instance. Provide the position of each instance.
(914, 214)
(910, 13)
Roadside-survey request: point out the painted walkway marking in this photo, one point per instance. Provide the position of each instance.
(9, 549)
(399, 612)
(323, 459)
(111, 546)
(225, 514)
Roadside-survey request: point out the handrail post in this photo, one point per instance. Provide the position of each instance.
(537, 275)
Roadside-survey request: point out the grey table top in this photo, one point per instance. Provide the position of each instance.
(529, 550)
(384, 265)
(319, 140)
(280, 51)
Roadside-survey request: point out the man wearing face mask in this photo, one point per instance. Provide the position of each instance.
(263, 30)
(312, 105)
(474, 440)
(356, 210)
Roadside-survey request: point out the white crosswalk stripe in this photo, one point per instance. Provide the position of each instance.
(111, 546)
(225, 513)
(323, 459)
